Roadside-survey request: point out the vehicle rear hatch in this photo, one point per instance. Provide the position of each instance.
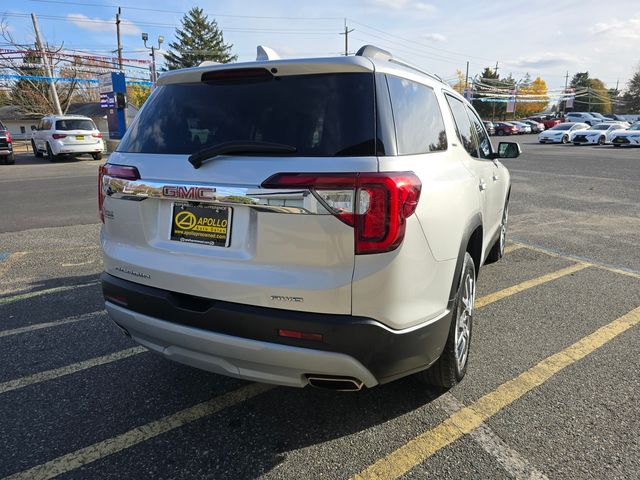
(214, 231)
(76, 131)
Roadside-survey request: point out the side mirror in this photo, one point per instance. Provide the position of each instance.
(508, 150)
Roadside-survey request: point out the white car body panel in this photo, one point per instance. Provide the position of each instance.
(555, 136)
(593, 136)
(74, 142)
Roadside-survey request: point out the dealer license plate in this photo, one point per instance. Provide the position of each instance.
(79, 137)
(204, 224)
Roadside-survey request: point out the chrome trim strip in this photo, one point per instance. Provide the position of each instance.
(280, 201)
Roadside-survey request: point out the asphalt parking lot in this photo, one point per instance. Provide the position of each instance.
(552, 389)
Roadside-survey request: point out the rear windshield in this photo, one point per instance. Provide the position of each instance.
(319, 115)
(75, 124)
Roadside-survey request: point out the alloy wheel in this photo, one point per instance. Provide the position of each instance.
(463, 322)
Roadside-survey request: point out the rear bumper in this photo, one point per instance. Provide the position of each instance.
(242, 340)
(60, 148)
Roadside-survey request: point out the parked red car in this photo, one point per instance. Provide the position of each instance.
(548, 120)
(503, 128)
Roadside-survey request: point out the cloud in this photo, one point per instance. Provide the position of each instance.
(434, 37)
(406, 5)
(623, 29)
(101, 25)
(545, 60)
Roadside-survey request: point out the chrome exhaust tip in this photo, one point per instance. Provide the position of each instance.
(337, 384)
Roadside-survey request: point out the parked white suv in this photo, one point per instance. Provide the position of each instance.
(59, 135)
(312, 221)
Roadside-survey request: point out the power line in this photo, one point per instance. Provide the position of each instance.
(142, 9)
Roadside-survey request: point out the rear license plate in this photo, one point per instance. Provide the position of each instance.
(204, 224)
(79, 137)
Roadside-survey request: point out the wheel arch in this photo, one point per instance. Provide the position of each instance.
(471, 242)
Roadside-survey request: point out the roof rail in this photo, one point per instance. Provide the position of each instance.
(371, 51)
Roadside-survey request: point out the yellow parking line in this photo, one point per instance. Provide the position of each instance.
(512, 247)
(64, 321)
(68, 370)
(466, 420)
(137, 435)
(534, 282)
(6, 265)
(592, 263)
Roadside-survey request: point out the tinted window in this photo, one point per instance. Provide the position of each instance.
(74, 124)
(418, 119)
(320, 115)
(465, 129)
(484, 144)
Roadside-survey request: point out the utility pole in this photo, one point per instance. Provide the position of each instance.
(119, 40)
(589, 97)
(564, 92)
(47, 67)
(346, 37)
(493, 113)
(466, 78)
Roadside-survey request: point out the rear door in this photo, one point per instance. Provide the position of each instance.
(214, 231)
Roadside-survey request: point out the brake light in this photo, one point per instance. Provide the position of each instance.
(376, 205)
(58, 136)
(114, 171)
(8, 136)
(96, 135)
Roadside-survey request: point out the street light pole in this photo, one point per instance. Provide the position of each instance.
(145, 37)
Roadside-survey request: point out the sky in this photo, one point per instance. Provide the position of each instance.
(541, 37)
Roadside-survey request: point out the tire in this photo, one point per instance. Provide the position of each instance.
(602, 141)
(451, 367)
(36, 153)
(616, 145)
(497, 251)
(9, 159)
(97, 156)
(565, 139)
(50, 155)
(576, 144)
(500, 133)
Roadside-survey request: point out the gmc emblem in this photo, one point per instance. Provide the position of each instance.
(191, 193)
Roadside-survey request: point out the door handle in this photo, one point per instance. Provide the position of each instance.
(483, 185)
(495, 178)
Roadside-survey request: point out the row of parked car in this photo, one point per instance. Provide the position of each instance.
(579, 128)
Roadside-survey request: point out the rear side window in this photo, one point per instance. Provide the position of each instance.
(74, 124)
(320, 115)
(463, 124)
(418, 119)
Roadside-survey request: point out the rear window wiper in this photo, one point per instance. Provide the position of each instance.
(198, 158)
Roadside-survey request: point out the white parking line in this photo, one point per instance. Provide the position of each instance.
(68, 370)
(64, 321)
(514, 463)
(37, 293)
(84, 456)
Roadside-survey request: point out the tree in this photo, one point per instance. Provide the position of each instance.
(198, 40)
(631, 97)
(137, 94)
(27, 89)
(591, 94)
(486, 85)
(460, 82)
(536, 90)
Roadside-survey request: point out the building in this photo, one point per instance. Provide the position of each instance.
(21, 125)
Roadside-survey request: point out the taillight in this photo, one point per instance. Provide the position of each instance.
(114, 171)
(8, 136)
(58, 136)
(375, 204)
(96, 135)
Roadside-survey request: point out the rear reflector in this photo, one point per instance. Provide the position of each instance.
(375, 204)
(124, 172)
(118, 298)
(300, 335)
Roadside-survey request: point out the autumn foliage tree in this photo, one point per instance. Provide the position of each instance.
(536, 90)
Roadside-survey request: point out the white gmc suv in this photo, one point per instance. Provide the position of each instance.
(312, 221)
